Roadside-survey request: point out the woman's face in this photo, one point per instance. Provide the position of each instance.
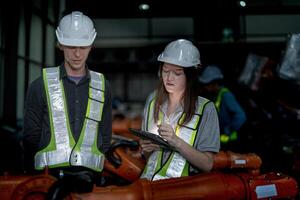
(174, 78)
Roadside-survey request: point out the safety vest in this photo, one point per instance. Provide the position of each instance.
(62, 149)
(176, 165)
(233, 135)
(219, 98)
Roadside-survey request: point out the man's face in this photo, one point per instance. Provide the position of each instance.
(75, 57)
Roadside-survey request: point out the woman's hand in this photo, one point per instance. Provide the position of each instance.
(147, 146)
(166, 132)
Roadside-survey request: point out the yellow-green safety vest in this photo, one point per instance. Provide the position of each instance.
(63, 150)
(176, 165)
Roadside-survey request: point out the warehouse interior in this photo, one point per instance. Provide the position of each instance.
(235, 35)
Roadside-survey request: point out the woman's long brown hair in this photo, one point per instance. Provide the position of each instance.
(189, 97)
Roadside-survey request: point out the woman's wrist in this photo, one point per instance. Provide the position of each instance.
(178, 143)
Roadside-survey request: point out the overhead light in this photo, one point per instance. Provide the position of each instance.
(144, 6)
(243, 3)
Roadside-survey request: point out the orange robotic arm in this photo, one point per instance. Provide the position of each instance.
(232, 160)
(209, 186)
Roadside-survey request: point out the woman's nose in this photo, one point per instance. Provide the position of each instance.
(170, 75)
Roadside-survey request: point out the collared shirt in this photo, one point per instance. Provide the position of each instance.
(36, 134)
(173, 118)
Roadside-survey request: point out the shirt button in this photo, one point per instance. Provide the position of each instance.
(77, 101)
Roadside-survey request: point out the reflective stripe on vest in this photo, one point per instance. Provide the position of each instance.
(156, 156)
(62, 150)
(219, 98)
(176, 165)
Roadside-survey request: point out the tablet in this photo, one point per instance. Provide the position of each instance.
(153, 137)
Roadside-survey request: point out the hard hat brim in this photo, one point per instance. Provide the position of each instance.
(176, 61)
(75, 42)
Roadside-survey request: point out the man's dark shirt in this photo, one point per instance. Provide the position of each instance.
(36, 117)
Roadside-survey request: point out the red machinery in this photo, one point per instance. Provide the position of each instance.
(128, 164)
(231, 160)
(25, 187)
(214, 185)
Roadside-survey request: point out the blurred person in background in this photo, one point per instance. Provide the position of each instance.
(231, 115)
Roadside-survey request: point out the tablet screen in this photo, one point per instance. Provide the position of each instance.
(153, 137)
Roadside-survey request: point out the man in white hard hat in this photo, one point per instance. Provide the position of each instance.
(188, 122)
(67, 124)
(231, 114)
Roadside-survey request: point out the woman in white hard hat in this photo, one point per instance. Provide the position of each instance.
(188, 122)
(67, 123)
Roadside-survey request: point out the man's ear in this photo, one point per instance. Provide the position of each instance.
(59, 46)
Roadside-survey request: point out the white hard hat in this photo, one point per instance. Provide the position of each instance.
(76, 29)
(209, 74)
(181, 52)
